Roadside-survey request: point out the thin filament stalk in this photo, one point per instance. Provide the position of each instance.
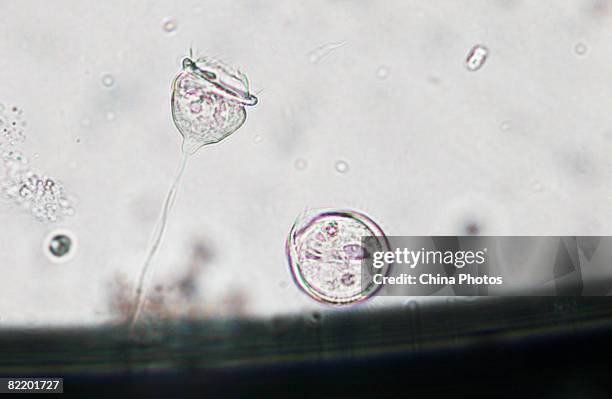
(156, 240)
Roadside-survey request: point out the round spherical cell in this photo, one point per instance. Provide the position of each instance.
(60, 246)
(329, 254)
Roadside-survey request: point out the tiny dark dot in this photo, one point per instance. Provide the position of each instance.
(472, 229)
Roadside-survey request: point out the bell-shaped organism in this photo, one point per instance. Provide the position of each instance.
(208, 102)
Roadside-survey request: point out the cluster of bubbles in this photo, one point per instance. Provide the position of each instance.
(326, 254)
(42, 196)
(12, 126)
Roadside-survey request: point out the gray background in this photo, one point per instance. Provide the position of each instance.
(518, 147)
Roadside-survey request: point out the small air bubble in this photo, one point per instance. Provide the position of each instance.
(300, 164)
(108, 80)
(169, 25)
(580, 49)
(382, 72)
(341, 167)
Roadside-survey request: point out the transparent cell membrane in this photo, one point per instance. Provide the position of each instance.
(325, 250)
(208, 100)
